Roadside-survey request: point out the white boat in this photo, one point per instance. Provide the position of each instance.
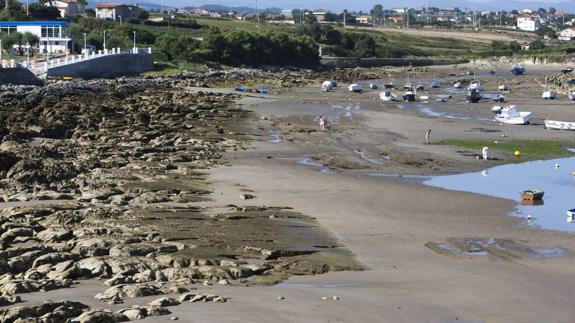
(559, 125)
(409, 96)
(549, 95)
(326, 86)
(442, 98)
(408, 86)
(476, 85)
(497, 109)
(420, 87)
(572, 96)
(571, 215)
(503, 87)
(510, 115)
(373, 86)
(387, 96)
(457, 85)
(424, 97)
(355, 88)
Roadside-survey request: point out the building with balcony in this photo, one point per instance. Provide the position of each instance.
(53, 35)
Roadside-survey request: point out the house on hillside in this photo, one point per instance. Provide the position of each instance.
(363, 19)
(396, 19)
(319, 15)
(567, 34)
(67, 8)
(528, 23)
(115, 12)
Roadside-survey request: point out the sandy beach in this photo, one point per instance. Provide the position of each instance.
(361, 183)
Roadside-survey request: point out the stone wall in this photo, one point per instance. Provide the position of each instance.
(106, 67)
(18, 76)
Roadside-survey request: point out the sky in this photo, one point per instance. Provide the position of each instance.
(365, 5)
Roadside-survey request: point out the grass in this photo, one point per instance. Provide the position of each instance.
(530, 149)
(171, 68)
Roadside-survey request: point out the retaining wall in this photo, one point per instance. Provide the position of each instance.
(18, 76)
(375, 62)
(105, 67)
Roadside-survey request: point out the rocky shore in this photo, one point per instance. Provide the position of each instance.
(100, 180)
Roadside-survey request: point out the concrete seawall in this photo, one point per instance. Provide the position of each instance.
(18, 76)
(106, 67)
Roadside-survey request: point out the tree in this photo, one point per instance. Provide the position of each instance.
(40, 12)
(144, 15)
(552, 10)
(377, 11)
(30, 38)
(82, 4)
(546, 31)
(537, 45)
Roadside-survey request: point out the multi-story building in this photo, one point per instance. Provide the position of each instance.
(52, 34)
(567, 34)
(528, 23)
(112, 11)
(67, 8)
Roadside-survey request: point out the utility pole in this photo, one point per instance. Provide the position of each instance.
(134, 51)
(104, 42)
(85, 43)
(27, 7)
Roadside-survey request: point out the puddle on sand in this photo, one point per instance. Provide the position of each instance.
(433, 112)
(275, 137)
(508, 181)
(363, 156)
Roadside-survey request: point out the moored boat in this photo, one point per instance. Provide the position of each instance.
(567, 70)
(358, 88)
(373, 86)
(503, 87)
(572, 96)
(510, 115)
(476, 85)
(420, 87)
(326, 86)
(549, 95)
(387, 96)
(389, 85)
(473, 96)
(458, 85)
(435, 84)
(532, 195)
(517, 70)
(559, 125)
(409, 96)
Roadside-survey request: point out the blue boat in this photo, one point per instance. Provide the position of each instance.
(517, 70)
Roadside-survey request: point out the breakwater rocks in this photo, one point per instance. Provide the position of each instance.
(104, 179)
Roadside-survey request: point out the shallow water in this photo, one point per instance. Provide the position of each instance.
(508, 181)
(434, 112)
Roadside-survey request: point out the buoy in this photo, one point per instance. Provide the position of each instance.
(496, 142)
(556, 165)
(573, 174)
(517, 153)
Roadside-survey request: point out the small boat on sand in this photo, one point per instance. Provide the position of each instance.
(435, 84)
(373, 86)
(476, 84)
(559, 125)
(567, 70)
(389, 85)
(503, 87)
(387, 96)
(326, 86)
(571, 213)
(442, 98)
(357, 88)
(420, 87)
(458, 85)
(572, 96)
(473, 96)
(409, 96)
(532, 195)
(549, 95)
(510, 115)
(517, 70)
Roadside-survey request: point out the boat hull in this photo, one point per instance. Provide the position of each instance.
(532, 196)
(524, 118)
(559, 125)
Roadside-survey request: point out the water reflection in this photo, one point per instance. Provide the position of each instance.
(508, 181)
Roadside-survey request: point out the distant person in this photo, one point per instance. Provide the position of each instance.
(322, 123)
(428, 137)
(484, 152)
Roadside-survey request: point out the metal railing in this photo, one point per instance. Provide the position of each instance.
(40, 68)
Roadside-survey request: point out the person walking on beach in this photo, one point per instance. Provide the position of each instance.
(322, 123)
(484, 152)
(428, 137)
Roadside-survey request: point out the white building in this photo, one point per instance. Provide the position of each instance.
(400, 10)
(115, 12)
(66, 7)
(567, 34)
(52, 34)
(528, 23)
